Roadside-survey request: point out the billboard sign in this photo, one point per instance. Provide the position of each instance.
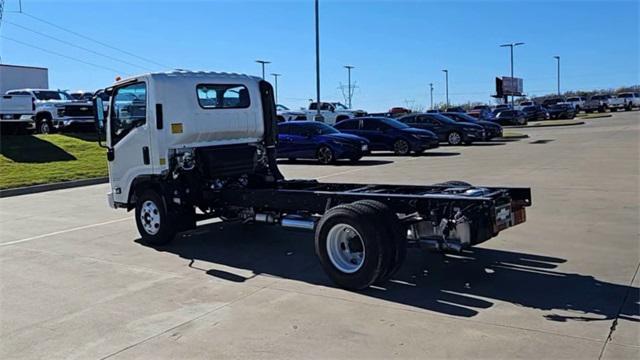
(512, 86)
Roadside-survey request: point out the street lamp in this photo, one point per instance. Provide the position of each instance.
(275, 77)
(446, 85)
(512, 45)
(263, 62)
(349, 67)
(431, 89)
(317, 16)
(558, 58)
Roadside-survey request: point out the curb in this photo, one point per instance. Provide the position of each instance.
(53, 186)
(544, 125)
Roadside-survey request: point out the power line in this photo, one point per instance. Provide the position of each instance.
(94, 40)
(76, 46)
(58, 54)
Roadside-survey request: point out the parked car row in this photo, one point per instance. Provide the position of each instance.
(353, 138)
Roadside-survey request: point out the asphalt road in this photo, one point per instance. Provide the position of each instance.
(75, 282)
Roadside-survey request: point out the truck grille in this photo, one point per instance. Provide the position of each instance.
(78, 110)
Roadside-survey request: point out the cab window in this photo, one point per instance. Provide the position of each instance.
(223, 96)
(129, 110)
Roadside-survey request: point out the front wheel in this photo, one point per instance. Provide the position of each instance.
(401, 147)
(325, 155)
(44, 126)
(454, 138)
(151, 219)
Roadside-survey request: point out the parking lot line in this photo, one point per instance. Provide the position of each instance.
(63, 231)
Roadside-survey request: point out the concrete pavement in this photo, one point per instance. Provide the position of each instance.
(75, 282)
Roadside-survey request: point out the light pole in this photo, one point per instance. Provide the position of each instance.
(349, 67)
(263, 62)
(275, 78)
(558, 58)
(431, 90)
(512, 45)
(446, 85)
(317, 16)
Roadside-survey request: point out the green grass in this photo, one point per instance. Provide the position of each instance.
(594, 116)
(40, 159)
(513, 135)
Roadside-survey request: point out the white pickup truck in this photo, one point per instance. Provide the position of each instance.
(332, 112)
(55, 109)
(602, 103)
(16, 112)
(631, 99)
(577, 102)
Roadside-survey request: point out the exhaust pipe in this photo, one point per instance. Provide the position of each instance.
(298, 222)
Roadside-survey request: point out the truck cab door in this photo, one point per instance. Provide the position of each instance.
(128, 138)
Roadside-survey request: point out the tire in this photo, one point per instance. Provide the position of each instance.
(401, 147)
(325, 155)
(152, 221)
(454, 138)
(44, 125)
(396, 244)
(578, 109)
(350, 246)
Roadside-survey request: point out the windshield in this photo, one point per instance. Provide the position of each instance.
(51, 95)
(281, 107)
(320, 129)
(624, 96)
(394, 123)
(574, 99)
(462, 117)
(339, 106)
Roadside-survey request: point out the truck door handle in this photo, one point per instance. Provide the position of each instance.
(145, 155)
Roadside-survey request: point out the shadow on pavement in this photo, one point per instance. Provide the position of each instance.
(459, 285)
(337, 163)
(31, 149)
(426, 153)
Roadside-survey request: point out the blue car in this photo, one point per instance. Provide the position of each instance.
(389, 134)
(315, 140)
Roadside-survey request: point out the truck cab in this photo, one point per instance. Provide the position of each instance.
(333, 112)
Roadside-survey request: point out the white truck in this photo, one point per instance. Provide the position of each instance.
(577, 102)
(332, 112)
(183, 140)
(631, 100)
(603, 102)
(55, 110)
(16, 113)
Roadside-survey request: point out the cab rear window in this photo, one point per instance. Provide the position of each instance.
(223, 96)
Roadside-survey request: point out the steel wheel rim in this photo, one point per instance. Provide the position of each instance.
(454, 138)
(44, 127)
(150, 217)
(401, 147)
(345, 248)
(324, 155)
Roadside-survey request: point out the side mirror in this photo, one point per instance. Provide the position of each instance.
(98, 117)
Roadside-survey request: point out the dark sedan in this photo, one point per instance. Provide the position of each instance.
(511, 117)
(491, 129)
(315, 140)
(535, 112)
(561, 111)
(447, 130)
(389, 134)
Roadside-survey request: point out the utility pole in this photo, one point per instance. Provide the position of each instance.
(350, 93)
(512, 45)
(431, 90)
(446, 86)
(275, 77)
(263, 62)
(558, 58)
(317, 16)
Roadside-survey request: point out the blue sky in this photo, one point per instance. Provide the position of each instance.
(397, 47)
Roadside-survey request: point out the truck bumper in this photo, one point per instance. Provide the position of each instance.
(63, 122)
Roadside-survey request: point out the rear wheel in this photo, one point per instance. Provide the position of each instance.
(454, 138)
(350, 246)
(395, 244)
(401, 147)
(325, 155)
(151, 219)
